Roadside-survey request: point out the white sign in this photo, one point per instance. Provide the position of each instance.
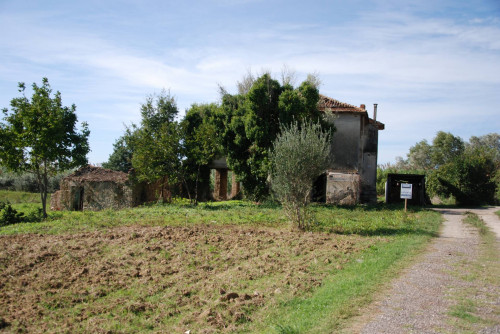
(406, 190)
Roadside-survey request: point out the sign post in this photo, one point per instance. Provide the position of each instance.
(406, 191)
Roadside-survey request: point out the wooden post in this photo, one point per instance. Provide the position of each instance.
(406, 203)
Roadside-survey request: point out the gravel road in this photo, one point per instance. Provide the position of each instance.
(419, 301)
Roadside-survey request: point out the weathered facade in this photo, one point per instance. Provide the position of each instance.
(352, 174)
(94, 188)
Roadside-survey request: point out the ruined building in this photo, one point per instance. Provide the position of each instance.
(352, 174)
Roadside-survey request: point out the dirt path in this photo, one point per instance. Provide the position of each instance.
(421, 299)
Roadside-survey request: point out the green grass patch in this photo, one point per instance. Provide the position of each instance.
(344, 293)
(474, 220)
(464, 310)
(16, 197)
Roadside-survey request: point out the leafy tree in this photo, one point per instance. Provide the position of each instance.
(300, 154)
(490, 143)
(468, 178)
(420, 156)
(39, 136)
(121, 158)
(252, 122)
(201, 141)
(156, 143)
(445, 148)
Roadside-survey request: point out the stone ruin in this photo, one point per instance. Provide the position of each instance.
(94, 188)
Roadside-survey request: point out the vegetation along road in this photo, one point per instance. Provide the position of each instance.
(454, 287)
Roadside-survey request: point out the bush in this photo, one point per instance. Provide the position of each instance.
(469, 179)
(300, 154)
(9, 215)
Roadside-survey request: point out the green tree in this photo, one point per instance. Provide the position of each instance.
(420, 155)
(252, 122)
(201, 144)
(157, 150)
(445, 148)
(468, 178)
(300, 154)
(121, 158)
(39, 136)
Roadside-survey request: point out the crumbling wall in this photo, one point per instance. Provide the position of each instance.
(342, 188)
(92, 195)
(106, 195)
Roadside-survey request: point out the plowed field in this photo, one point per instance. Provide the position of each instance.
(202, 278)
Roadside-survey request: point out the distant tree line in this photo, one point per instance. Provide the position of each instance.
(469, 172)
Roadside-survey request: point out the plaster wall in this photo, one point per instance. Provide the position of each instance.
(346, 143)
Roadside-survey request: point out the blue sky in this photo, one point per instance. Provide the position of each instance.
(430, 65)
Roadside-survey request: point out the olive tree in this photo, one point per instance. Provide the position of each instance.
(39, 136)
(300, 154)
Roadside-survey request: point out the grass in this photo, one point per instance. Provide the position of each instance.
(343, 294)
(308, 282)
(476, 306)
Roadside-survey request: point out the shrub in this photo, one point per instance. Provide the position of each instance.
(300, 154)
(469, 179)
(9, 215)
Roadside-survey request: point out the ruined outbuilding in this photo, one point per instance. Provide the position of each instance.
(393, 189)
(94, 188)
(352, 175)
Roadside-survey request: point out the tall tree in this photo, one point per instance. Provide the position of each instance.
(252, 122)
(121, 158)
(201, 144)
(39, 136)
(445, 148)
(157, 146)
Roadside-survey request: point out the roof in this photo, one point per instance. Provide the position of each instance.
(99, 174)
(327, 103)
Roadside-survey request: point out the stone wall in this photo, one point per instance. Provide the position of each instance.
(342, 188)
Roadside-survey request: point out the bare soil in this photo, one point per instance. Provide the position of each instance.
(161, 279)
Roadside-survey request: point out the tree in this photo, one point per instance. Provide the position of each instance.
(419, 156)
(468, 178)
(121, 158)
(300, 154)
(490, 143)
(445, 148)
(252, 122)
(39, 136)
(156, 143)
(201, 141)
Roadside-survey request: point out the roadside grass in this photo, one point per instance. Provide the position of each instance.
(342, 295)
(297, 282)
(476, 306)
(498, 213)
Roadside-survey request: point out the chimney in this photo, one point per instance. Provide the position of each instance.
(375, 111)
(363, 107)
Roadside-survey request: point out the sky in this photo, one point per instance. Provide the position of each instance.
(429, 65)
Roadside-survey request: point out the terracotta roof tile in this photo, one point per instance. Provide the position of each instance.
(327, 103)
